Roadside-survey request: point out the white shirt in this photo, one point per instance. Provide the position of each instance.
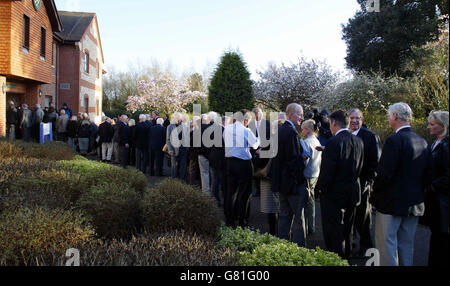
(312, 164)
(356, 132)
(343, 129)
(238, 140)
(403, 127)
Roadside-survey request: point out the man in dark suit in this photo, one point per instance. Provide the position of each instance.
(26, 122)
(261, 128)
(158, 133)
(124, 139)
(142, 139)
(288, 179)
(372, 154)
(338, 184)
(402, 176)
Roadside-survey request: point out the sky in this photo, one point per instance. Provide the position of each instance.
(191, 35)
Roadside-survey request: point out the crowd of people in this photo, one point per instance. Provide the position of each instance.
(336, 160)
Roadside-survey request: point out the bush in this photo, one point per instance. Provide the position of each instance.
(50, 151)
(266, 250)
(113, 209)
(27, 234)
(173, 205)
(95, 173)
(170, 249)
(50, 188)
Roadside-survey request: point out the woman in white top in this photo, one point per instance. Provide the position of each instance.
(313, 158)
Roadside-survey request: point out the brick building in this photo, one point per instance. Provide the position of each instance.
(80, 69)
(26, 51)
(49, 57)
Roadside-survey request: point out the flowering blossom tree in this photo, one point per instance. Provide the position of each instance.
(307, 82)
(163, 93)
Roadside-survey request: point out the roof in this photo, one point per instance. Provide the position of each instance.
(74, 25)
(53, 15)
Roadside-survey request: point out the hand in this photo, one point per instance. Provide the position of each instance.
(127, 146)
(320, 148)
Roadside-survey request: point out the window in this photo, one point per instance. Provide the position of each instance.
(43, 34)
(86, 105)
(26, 32)
(86, 62)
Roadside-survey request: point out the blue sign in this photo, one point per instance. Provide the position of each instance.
(45, 133)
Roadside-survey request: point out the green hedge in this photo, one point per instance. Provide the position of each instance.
(257, 249)
(49, 151)
(174, 205)
(27, 234)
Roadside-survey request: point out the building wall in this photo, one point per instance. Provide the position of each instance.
(30, 66)
(2, 107)
(69, 73)
(91, 83)
(5, 36)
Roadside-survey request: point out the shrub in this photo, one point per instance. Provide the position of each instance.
(170, 249)
(266, 250)
(289, 254)
(50, 151)
(95, 173)
(50, 188)
(113, 209)
(27, 234)
(173, 205)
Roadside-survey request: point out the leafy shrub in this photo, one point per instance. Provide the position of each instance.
(49, 151)
(173, 205)
(289, 254)
(26, 234)
(95, 173)
(170, 249)
(113, 209)
(266, 250)
(9, 150)
(52, 189)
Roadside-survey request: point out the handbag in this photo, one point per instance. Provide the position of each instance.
(165, 148)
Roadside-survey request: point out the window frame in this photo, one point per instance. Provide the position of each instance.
(86, 62)
(26, 32)
(43, 42)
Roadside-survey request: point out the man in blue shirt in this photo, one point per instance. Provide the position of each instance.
(238, 140)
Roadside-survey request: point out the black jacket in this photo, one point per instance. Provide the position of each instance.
(340, 169)
(203, 149)
(123, 134)
(12, 116)
(287, 166)
(403, 173)
(217, 152)
(106, 132)
(372, 155)
(437, 202)
(142, 135)
(72, 128)
(158, 134)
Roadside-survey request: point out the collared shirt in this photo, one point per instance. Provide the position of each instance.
(238, 140)
(343, 129)
(403, 127)
(356, 132)
(290, 123)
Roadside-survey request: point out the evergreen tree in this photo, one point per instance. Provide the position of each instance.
(231, 88)
(382, 41)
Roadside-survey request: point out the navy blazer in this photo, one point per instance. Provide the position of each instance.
(158, 137)
(142, 135)
(123, 134)
(372, 155)
(403, 173)
(288, 165)
(340, 169)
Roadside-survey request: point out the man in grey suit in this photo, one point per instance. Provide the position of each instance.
(26, 123)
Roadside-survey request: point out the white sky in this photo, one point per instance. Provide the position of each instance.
(191, 35)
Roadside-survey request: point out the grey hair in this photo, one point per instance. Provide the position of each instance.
(38, 105)
(132, 122)
(160, 121)
(142, 117)
(213, 116)
(292, 108)
(63, 111)
(442, 119)
(355, 110)
(403, 111)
